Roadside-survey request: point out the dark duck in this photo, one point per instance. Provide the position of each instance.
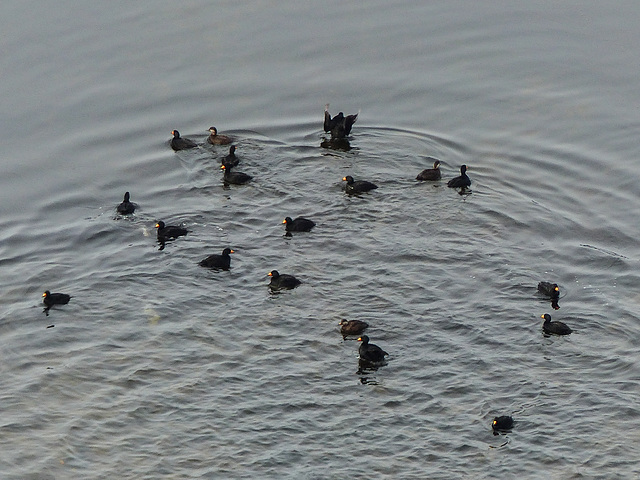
(179, 143)
(503, 423)
(126, 207)
(352, 327)
(359, 186)
(549, 289)
(430, 173)
(552, 291)
(370, 352)
(219, 261)
(231, 159)
(339, 126)
(282, 281)
(51, 299)
(300, 224)
(215, 139)
(555, 328)
(235, 178)
(166, 232)
(462, 181)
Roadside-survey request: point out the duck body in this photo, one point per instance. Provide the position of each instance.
(235, 178)
(221, 261)
(126, 207)
(352, 327)
(215, 139)
(462, 181)
(300, 224)
(502, 423)
(370, 352)
(169, 231)
(549, 289)
(556, 328)
(339, 126)
(50, 299)
(359, 186)
(179, 143)
(231, 159)
(430, 173)
(282, 281)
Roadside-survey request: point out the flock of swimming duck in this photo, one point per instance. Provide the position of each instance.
(371, 356)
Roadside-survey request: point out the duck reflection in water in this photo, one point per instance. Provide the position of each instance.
(367, 380)
(341, 144)
(365, 367)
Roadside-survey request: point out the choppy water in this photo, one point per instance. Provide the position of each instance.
(159, 368)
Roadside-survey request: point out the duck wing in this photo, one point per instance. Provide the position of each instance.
(348, 123)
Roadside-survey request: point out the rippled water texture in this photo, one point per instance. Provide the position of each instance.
(160, 368)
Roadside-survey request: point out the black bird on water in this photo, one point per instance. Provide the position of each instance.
(503, 423)
(552, 291)
(282, 281)
(126, 207)
(221, 261)
(179, 143)
(231, 159)
(300, 224)
(359, 186)
(169, 231)
(339, 126)
(549, 289)
(235, 178)
(557, 328)
(462, 181)
(370, 352)
(51, 299)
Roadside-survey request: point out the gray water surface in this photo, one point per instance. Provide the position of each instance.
(159, 368)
